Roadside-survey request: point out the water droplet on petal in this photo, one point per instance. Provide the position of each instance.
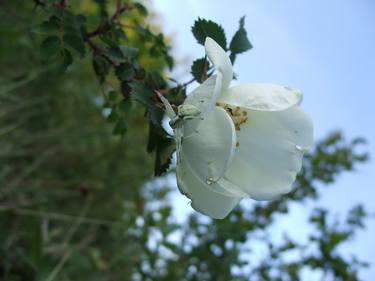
(300, 148)
(210, 181)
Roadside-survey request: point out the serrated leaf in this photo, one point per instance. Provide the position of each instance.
(157, 80)
(206, 28)
(108, 39)
(101, 67)
(113, 116)
(240, 43)
(141, 9)
(115, 54)
(50, 46)
(81, 19)
(120, 127)
(124, 105)
(169, 60)
(156, 115)
(125, 71)
(129, 52)
(47, 27)
(199, 69)
(163, 146)
(67, 59)
(112, 96)
(144, 94)
(75, 42)
(177, 95)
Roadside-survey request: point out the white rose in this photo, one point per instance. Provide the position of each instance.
(238, 142)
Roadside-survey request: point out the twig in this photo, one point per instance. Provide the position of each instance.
(184, 84)
(99, 51)
(67, 239)
(104, 27)
(58, 217)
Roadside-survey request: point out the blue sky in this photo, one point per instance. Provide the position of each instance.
(326, 49)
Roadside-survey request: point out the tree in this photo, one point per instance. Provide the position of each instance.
(77, 152)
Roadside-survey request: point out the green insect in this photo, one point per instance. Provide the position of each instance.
(184, 112)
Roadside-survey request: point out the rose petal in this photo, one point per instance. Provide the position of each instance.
(269, 155)
(204, 200)
(220, 60)
(210, 149)
(263, 97)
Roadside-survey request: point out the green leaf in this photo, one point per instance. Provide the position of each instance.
(163, 146)
(113, 116)
(142, 93)
(199, 69)
(177, 95)
(206, 28)
(169, 60)
(112, 96)
(50, 46)
(157, 80)
(34, 241)
(101, 67)
(141, 9)
(240, 43)
(125, 105)
(125, 71)
(115, 54)
(75, 42)
(47, 27)
(120, 127)
(67, 59)
(129, 52)
(156, 115)
(108, 39)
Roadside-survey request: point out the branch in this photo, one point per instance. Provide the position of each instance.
(106, 26)
(99, 51)
(59, 217)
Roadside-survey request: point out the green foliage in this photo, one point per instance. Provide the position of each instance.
(50, 26)
(199, 69)
(50, 46)
(239, 43)
(101, 67)
(206, 28)
(141, 9)
(77, 202)
(163, 146)
(67, 59)
(75, 42)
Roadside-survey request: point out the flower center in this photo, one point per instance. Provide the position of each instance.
(238, 116)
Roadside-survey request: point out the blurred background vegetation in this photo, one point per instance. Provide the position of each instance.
(78, 200)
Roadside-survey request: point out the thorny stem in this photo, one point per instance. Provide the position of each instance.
(104, 27)
(98, 50)
(204, 76)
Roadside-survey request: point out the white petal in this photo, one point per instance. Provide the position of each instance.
(269, 155)
(204, 200)
(264, 97)
(220, 60)
(209, 150)
(202, 98)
